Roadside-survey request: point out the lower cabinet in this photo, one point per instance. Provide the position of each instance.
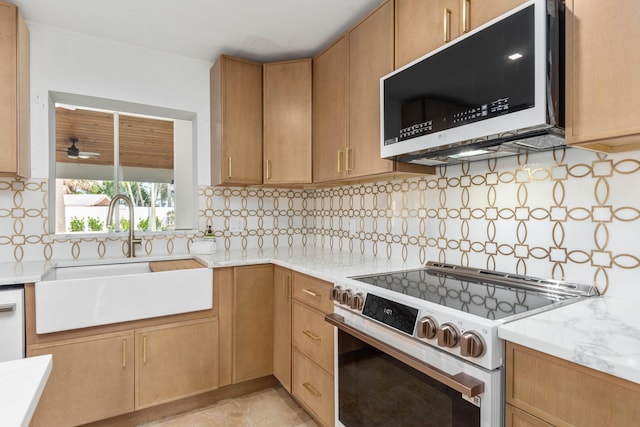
(175, 361)
(543, 390)
(282, 326)
(102, 376)
(92, 379)
(313, 387)
(514, 417)
(312, 380)
(252, 322)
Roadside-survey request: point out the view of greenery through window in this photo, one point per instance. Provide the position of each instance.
(154, 205)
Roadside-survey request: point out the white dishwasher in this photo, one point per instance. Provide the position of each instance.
(11, 322)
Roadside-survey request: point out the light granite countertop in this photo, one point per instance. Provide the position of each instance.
(602, 333)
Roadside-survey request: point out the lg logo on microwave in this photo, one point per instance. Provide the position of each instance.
(388, 311)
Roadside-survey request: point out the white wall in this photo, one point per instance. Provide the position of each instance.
(68, 62)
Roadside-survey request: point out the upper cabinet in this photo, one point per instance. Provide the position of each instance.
(424, 26)
(330, 112)
(346, 101)
(287, 122)
(602, 87)
(370, 56)
(236, 122)
(15, 138)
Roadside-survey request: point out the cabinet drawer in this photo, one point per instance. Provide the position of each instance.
(312, 291)
(313, 387)
(312, 335)
(514, 417)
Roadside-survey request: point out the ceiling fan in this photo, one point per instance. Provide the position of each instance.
(74, 153)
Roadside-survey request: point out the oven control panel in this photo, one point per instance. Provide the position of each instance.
(450, 334)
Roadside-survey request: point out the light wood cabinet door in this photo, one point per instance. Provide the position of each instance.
(314, 388)
(330, 112)
(252, 322)
(425, 26)
(282, 326)
(91, 379)
(566, 394)
(287, 122)
(236, 121)
(371, 56)
(175, 361)
(312, 335)
(15, 137)
(312, 291)
(514, 417)
(477, 12)
(422, 26)
(602, 86)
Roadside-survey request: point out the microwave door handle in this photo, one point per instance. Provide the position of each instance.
(461, 382)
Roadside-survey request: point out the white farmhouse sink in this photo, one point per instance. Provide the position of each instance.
(91, 295)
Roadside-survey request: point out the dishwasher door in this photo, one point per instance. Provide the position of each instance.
(11, 323)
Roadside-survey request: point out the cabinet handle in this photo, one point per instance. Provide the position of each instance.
(286, 285)
(124, 353)
(447, 25)
(312, 389)
(6, 308)
(312, 293)
(347, 162)
(312, 335)
(339, 161)
(144, 349)
(228, 167)
(268, 169)
(466, 16)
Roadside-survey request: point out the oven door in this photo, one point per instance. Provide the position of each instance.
(386, 379)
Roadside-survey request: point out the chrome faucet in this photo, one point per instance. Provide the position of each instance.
(132, 241)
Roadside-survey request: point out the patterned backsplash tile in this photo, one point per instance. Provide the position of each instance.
(568, 215)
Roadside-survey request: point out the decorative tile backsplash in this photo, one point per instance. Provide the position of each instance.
(571, 215)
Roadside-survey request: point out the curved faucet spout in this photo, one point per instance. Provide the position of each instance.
(132, 240)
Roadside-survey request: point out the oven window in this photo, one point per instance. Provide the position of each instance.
(377, 390)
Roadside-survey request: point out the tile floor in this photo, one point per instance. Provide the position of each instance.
(267, 408)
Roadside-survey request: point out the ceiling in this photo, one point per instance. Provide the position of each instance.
(260, 30)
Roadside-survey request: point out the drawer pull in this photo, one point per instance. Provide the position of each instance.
(312, 335)
(6, 308)
(312, 293)
(311, 389)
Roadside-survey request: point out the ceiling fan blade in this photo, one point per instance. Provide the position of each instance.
(88, 155)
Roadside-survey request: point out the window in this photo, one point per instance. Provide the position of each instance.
(102, 152)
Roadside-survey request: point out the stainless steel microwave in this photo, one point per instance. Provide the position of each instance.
(493, 92)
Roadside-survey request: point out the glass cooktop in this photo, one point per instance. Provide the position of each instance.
(484, 297)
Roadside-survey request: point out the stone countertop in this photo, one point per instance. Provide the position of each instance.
(602, 333)
(22, 382)
(325, 264)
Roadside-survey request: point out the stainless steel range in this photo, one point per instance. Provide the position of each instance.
(434, 331)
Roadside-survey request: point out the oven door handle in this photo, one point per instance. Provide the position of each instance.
(461, 382)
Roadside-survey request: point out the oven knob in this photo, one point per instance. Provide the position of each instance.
(334, 294)
(427, 327)
(357, 301)
(471, 344)
(447, 335)
(345, 297)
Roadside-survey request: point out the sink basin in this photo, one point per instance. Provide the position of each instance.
(72, 297)
(100, 270)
